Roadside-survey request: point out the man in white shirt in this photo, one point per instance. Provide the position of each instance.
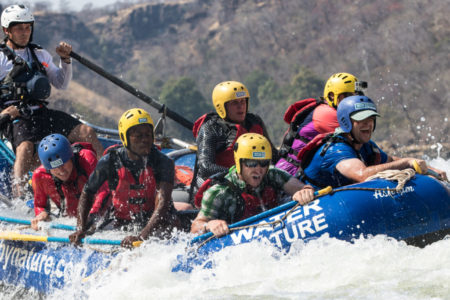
(26, 72)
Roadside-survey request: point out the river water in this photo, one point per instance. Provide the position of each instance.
(374, 268)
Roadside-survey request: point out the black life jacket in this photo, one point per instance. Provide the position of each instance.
(26, 83)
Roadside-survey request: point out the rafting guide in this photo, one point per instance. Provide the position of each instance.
(27, 72)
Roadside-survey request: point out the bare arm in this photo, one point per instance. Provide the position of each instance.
(357, 171)
(84, 206)
(161, 211)
(202, 225)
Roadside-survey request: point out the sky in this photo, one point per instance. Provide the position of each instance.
(76, 5)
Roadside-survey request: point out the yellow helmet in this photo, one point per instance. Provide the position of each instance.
(228, 91)
(251, 146)
(340, 83)
(131, 118)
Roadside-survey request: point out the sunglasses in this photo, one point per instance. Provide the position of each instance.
(252, 163)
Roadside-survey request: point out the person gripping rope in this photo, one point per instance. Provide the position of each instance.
(349, 155)
(140, 179)
(26, 72)
(250, 187)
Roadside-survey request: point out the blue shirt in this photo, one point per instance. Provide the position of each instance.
(322, 169)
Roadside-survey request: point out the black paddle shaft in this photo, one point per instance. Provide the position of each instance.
(160, 107)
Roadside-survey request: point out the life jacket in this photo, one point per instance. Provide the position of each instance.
(70, 192)
(307, 153)
(250, 205)
(24, 84)
(183, 174)
(225, 157)
(131, 197)
(297, 116)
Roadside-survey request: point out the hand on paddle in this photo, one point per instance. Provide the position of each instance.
(128, 241)
(35, 222)
(305, 195)
(420, 166)
(75, 238)
(63, 50)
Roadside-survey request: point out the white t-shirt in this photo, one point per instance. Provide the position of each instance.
(59, 76)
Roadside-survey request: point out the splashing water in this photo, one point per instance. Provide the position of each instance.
(373, 268)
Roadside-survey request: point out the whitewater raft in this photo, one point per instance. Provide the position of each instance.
(419, 214)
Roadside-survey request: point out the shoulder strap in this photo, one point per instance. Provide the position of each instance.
(7, 51)
(306, 154)
(202, 120)
(114, 158)
(36, 63)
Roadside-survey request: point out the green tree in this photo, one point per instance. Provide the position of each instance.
(306, 84)
(253, 81)
(182, 96)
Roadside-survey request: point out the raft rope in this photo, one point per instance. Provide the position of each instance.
(401, 176)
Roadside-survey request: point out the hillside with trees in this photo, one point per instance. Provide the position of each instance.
(283, 50)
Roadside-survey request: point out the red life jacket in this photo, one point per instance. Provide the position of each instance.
(225, 158)
(295, 115)
(130, 197)
(69, 192)
(251, 205)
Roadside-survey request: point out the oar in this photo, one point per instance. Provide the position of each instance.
(14, 236)
(161, 108)
(262, 215)
(27, 222)
(430, 172)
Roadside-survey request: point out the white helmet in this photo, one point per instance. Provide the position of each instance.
(16, 14)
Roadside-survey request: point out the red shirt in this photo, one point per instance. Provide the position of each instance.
(44, 186)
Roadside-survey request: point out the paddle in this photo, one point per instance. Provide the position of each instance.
(13, 236)
(161, 108)
(262, 215)
(430, 172)
(27, 222)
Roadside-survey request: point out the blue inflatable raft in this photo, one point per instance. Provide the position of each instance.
(44, 267)
(419, 214)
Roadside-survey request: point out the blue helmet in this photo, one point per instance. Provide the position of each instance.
(54, 150)
(356, 108)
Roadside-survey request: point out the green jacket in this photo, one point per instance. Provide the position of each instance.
(223, 202)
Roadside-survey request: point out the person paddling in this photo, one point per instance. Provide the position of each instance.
(249, 187)
(140, 178)
(64, 171)
(26, 72)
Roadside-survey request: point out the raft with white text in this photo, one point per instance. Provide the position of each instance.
(418, 214)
